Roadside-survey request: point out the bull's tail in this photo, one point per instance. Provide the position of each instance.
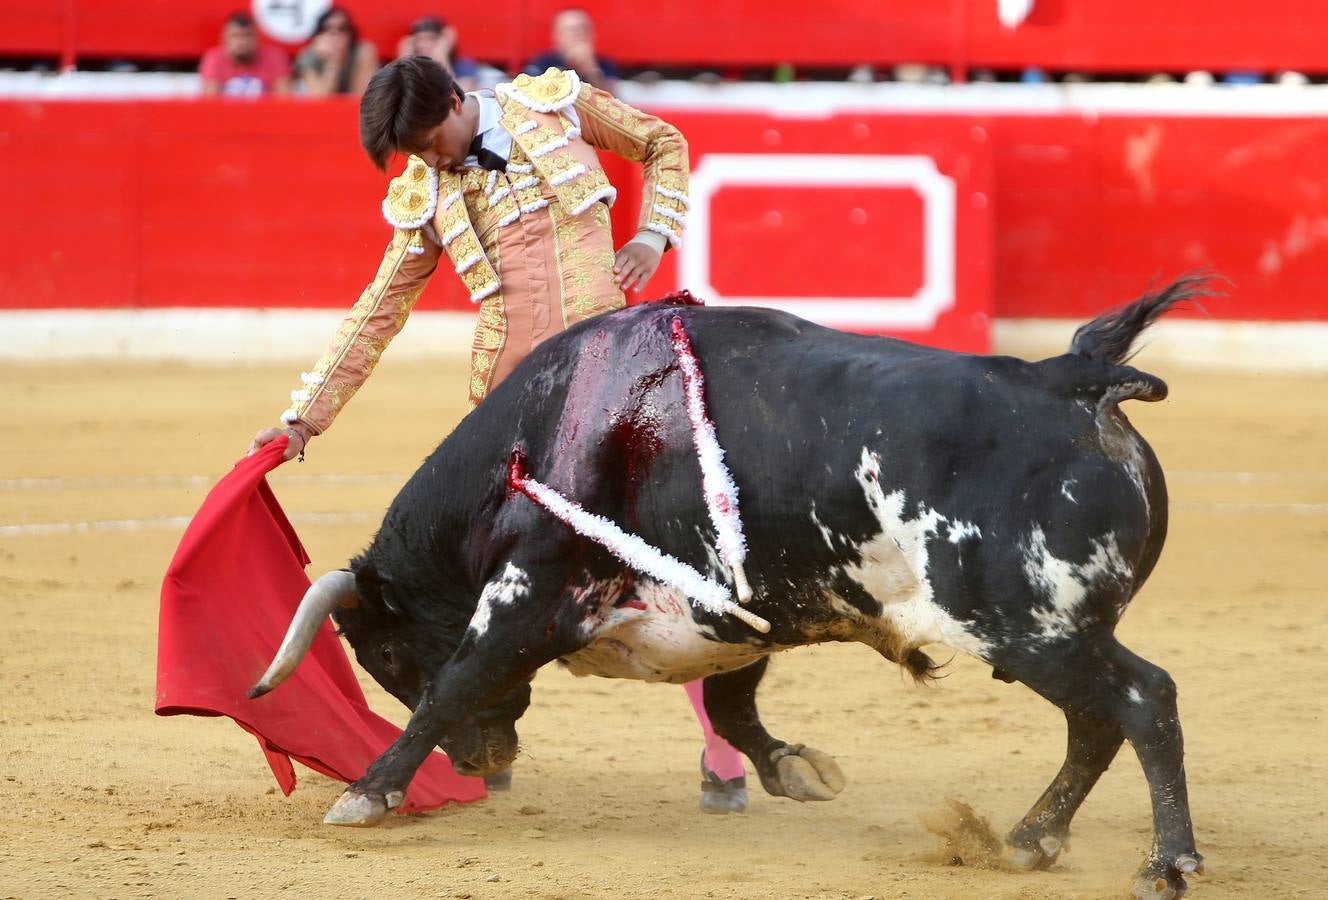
(1111, 336)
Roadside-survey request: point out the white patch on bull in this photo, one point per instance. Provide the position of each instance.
(652, 637)
(1064, 584)
(506, 589)
(715, 569)
(1132, 694)
(1119, 439)
(1135, 468)
(893, 569)
(964, 531)
(1065, 489)
(826, 534)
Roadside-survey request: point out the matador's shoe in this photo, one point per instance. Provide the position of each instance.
(722, 796)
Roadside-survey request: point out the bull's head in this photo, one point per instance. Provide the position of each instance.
(403, 654)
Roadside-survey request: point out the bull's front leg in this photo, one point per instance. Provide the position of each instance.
(786, 770)
(504, 645)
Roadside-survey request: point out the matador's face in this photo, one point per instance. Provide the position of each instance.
(446, 145)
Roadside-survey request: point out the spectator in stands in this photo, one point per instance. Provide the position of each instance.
(574, 48)
(432, 37)
(241, 67)
(335, 61)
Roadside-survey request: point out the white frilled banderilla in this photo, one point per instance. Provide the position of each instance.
(721, 497)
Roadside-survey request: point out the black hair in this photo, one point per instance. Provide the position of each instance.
(404, 99)
(428, 23)
(240, 17)
(354, 32)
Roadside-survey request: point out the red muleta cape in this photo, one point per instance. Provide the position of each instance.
(226, 601)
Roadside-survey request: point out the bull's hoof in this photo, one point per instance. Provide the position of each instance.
(1041, 856)
(803, 774)
(1162, 881)
(356, 810)
(721, 796)
(499, 781)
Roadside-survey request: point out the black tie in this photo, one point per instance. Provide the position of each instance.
(487, 158)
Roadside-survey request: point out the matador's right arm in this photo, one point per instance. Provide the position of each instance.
(382, 309)
(366, 331)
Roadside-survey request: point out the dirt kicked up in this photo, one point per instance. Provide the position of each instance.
(99, 798)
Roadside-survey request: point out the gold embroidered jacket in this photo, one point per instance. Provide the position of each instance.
(462, 212)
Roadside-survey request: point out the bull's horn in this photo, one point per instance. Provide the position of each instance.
(324, 595)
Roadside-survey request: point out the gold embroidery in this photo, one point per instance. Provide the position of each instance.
(557, 163)
(464, 247)
(503, 212)
(473, 179)
(477, 278)
(411, 195)
(490, 337)
(529, 198)
(542, 136)
(641, 137)
(623, 117)
(588, 288)
(674, 179)
(456, 230)
(551, 88)
(352, 354)
(578, 190)
(672, 204)
(553, 165)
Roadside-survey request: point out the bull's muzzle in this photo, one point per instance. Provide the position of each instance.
(326, 594)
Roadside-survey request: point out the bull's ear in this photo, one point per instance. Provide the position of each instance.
(387, 600)
(375, 590)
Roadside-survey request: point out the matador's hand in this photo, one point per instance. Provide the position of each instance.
(267, 435)
(634, 265)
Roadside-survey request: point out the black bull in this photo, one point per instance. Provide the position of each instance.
(892, 494)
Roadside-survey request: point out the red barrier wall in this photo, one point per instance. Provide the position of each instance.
(1089, 208)
(1097, 35)
(208, 204)
(1148, 36)
(254, 204)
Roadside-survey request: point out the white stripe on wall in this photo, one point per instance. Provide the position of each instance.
(288, 335)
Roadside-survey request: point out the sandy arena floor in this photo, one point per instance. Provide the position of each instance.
(98, 797)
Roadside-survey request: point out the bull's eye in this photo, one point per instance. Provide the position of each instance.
(386, 654)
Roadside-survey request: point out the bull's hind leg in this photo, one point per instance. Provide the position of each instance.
(505, 643)
(785, 770)
(1092, 744)
(1152, 724)
(1108, 695)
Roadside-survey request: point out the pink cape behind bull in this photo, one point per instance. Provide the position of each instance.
(226, 601)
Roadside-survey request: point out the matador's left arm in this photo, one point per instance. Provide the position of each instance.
(610, 124)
